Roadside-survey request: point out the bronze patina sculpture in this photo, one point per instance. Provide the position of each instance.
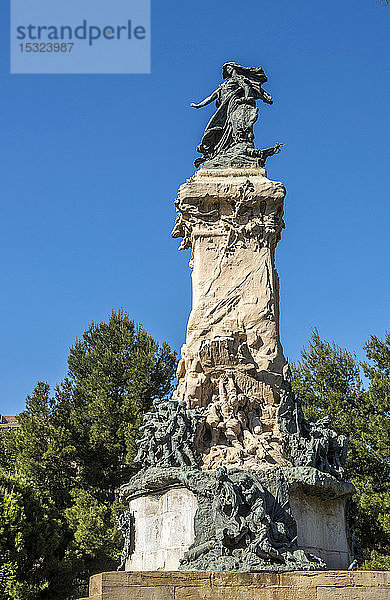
(229, 139)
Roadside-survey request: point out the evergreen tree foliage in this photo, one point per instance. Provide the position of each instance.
(77, 445)
(375, 493)
(31, 537)
(328, 381)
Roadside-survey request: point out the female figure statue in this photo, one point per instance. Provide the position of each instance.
(229, 133)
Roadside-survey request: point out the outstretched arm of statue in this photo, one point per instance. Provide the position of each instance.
(206, 101)
(273, 150)
(266, 97)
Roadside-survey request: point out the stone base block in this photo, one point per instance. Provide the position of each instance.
(155, 585)
(322, 528)
(164, 530)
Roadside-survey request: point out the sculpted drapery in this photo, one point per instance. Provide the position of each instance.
(230, 130)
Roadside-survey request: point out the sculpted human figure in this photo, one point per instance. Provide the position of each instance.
(232, 124)
(223, 414)
(180, 430)
(213, 419)
(230, 525)
(146, 450)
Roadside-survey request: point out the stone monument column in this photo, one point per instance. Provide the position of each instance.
(232, 362)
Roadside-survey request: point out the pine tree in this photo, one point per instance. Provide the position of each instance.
(31, 535)
(78, 445)
(328, 381)
(375, 491)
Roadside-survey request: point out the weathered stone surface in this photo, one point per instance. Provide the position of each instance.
(138, 593)
(147, 579)
(232, 370)
(269, 593)
(232, 362)
(342, 579)
(331, 585)
(246, 580)
(164, 530)
(321, 528)
(362, 593)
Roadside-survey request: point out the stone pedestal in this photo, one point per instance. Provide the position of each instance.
(163, 530)
(332, 585)
(322, 528)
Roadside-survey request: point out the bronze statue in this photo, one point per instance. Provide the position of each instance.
(229, 139)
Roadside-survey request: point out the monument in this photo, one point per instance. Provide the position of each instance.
(234, 478)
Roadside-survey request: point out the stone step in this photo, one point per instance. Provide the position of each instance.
(310, 585)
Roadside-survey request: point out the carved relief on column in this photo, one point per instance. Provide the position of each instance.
(232, 361)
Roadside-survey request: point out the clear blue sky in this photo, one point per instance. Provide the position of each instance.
(90, 166)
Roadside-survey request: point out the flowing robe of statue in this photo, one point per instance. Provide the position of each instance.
(229, 133)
